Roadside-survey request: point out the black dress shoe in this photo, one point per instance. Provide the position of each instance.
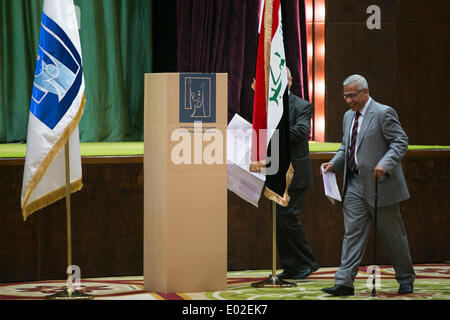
(306, 274)
(340, 291)
(405, 288)
(302, 275)
(284, 275)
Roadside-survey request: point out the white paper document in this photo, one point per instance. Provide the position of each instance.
(241, 181)
(330, 185)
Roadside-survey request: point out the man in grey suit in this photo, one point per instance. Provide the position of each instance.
(372, 147)
(296, 256)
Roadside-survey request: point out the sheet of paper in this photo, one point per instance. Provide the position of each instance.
(330, 186)
(241, 181)
(244, 183)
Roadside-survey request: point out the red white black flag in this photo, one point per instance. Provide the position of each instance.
(270, 152)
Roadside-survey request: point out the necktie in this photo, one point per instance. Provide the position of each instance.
(351, 160)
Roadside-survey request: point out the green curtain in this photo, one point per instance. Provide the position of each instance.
(116, 40)
(19, 34)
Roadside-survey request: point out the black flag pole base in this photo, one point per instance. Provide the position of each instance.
(70, 294)
(273, 282)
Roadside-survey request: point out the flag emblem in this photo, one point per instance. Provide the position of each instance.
(277, 70)
(58, 75)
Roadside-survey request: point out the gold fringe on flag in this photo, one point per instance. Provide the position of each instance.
(257, 166)
(273, 196)
(267, 42)
(29, 208)
(50, 198)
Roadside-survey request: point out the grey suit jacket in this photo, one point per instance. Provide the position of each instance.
(300, 112)
(381, 141)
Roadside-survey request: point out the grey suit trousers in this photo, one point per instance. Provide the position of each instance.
(357, 216)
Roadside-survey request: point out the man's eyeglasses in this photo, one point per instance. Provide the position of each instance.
(352, 95)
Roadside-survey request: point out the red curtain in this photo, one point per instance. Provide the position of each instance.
(222, 36)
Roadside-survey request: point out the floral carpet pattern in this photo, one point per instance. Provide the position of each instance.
(432, 283)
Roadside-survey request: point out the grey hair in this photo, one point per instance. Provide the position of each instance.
(288, 72)
(361, 82)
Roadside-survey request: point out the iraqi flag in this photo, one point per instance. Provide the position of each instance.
(57, 104)
(270, 151)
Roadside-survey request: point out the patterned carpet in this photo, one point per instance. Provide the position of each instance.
(432, 283)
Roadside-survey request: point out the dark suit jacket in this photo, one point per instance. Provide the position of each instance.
(300, 112)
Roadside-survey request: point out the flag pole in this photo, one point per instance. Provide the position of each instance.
(273, 281)
(274, 240)
(68, 220)
(69, 293)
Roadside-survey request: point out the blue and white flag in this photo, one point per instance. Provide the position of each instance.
(57, 104)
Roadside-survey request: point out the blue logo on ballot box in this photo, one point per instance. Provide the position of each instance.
(197, 97)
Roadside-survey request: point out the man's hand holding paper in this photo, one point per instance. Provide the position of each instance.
(329, 182)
